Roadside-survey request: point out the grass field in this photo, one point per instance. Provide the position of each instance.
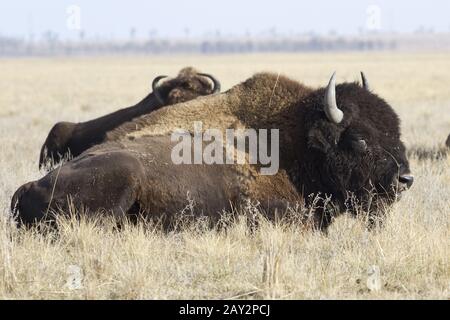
(411, 252)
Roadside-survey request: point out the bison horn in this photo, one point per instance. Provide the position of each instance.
(365, 83)
(334, 114)
(216, 82)
(155, 89)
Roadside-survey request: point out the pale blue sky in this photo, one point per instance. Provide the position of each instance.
(171, 18)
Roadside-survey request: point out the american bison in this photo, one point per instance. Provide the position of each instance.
(447, 143)
(67, 138)
(337, 142)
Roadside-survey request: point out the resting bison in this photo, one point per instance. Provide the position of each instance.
(74, 138)
(337, 142)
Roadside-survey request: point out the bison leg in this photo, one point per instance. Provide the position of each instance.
(107, 181)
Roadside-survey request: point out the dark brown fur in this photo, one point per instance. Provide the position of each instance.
(316, 157)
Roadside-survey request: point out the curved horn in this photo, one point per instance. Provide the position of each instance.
(155, 89)
(334, 114)
(365, 83)
(216, 82)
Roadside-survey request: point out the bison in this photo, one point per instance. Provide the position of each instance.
(68, 138)
(338, 142)
(447, 143)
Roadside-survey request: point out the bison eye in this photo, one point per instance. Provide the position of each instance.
(360, 145)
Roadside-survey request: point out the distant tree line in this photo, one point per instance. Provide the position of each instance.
(51, 45)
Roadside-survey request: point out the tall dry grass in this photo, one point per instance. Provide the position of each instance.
(407, 258)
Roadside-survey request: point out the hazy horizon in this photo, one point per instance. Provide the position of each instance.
(200, 18)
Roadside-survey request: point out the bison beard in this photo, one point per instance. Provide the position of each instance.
(341, 143)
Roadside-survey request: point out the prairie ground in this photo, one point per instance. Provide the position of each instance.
(408, 258)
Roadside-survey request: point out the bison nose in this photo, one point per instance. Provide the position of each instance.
(406, 179)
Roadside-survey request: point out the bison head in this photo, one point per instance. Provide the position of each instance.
(354, 146)
(188, 85)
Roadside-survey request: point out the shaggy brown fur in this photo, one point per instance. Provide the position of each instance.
(316, 157)
(67, 138)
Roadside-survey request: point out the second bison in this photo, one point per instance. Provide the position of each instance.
(71, 139)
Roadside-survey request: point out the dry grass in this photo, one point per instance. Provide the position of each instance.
(412, 250)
